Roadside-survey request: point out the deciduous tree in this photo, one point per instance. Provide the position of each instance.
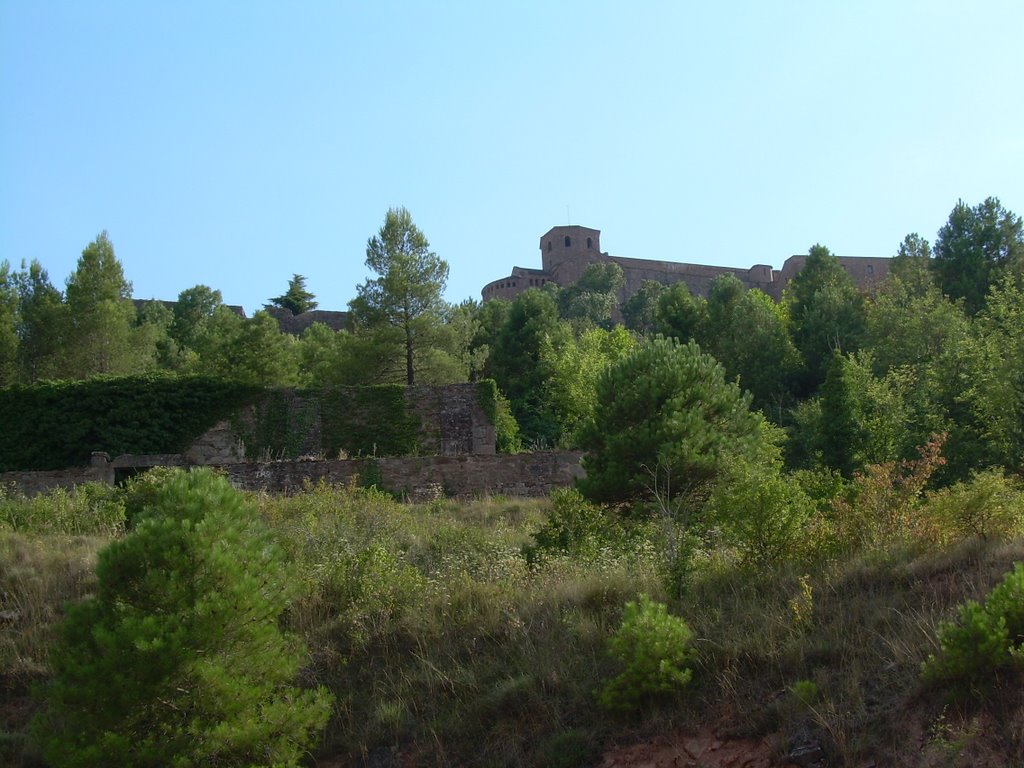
(748, 334)
(574, 366)
(975, 247)
(639, 311)
(591, 299)
(519, 367)
(42, 325)
(826, 313)
(681, 315)
(8, 326)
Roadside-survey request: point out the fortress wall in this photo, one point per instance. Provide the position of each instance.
(564, 265)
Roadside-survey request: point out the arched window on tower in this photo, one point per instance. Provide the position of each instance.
(590, 243)
(549, 246)
(568, 241)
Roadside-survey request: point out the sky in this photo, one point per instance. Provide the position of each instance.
(234, 144)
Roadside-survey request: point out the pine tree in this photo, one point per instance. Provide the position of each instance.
(100, 314)
(178, 659)
(296, 299)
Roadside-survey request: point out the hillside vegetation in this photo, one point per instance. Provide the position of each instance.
(481, 634)
(801, 522)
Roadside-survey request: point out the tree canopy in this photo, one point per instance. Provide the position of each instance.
(665, 420)
(296, 299)
(975, 247)
(405, 300)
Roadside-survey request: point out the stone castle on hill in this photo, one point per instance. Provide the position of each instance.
(567, 251)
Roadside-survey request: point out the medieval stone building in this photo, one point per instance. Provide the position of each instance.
(567, 251)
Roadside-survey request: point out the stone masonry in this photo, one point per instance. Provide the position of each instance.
(567, 251)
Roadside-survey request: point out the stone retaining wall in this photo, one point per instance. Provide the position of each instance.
(416, 478)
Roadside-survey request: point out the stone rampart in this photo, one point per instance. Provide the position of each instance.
(567, 251)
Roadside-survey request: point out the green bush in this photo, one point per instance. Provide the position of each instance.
(986, 638)
(762, 513)
(665, 423)
(988, 506)
(573, 527)
(655, 647)
(178, 659)
(89, 509)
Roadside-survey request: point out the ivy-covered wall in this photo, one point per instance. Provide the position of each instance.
(53, 425)
(386, 420)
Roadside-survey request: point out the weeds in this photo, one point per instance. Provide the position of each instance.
(445, 644)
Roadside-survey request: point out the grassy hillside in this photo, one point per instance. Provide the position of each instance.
(477, 634)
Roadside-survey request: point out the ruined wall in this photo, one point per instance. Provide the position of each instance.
(414, 478)
(421, 478)
(288, 424)
(34, 483)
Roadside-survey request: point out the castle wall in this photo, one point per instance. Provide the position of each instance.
(564, 264)
(296, 324)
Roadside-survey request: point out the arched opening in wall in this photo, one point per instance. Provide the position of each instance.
(590, 243)
(568, 241)
(549, 246)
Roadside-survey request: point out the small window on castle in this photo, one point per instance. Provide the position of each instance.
(871, 269)
(568, 241)
(549, 245)
(514, 285)
(590, 243)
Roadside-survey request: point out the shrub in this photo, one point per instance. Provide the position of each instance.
(89, 509)
(655, 647)
(805, 691)
(574, 527)
(178, 659)
(762, 513)
(987, 637)
(989, 506)
(885, 504)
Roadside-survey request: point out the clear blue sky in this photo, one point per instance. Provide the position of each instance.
(235, 143)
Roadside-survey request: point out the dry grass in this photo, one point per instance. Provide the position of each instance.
(446, 647)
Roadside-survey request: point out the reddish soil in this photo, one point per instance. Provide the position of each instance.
(701, 750)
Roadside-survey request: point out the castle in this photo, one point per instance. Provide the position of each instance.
(567, 251)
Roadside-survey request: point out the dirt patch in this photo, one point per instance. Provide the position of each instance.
(701, 750)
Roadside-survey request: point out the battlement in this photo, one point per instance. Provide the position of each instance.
(568, 250)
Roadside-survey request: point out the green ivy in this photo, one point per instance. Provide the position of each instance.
(57, 424)
(487, 397)
(53, 425)
(283, 421)
(368, 421)
(498, 411)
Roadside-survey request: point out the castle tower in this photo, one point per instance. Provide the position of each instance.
(566, 251)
